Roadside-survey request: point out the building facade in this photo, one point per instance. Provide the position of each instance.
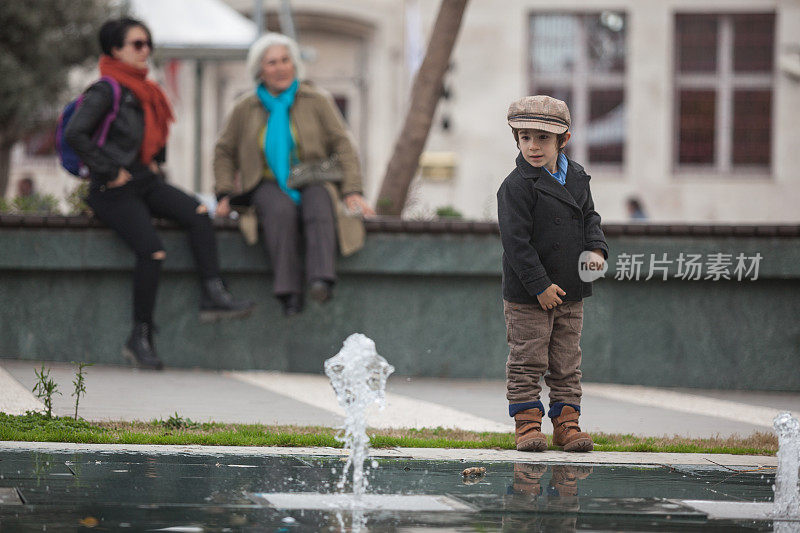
(688, 106)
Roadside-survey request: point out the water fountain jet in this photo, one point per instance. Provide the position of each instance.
(784, 511)
(358, 376)
(787, 490)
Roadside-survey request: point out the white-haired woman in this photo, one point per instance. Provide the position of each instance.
(284, 122)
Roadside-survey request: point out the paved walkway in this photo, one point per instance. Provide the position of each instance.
(124, 393)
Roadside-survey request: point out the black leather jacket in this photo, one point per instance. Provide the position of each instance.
(125, 135)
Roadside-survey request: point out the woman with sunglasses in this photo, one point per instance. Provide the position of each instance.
(127, 187)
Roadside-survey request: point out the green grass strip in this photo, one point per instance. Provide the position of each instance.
(36, 427)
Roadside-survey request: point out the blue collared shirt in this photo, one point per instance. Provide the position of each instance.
(561, 171)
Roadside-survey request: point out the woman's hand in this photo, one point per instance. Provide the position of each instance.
(223, 208)
(357, 204)
(549, 299)
(122, 178)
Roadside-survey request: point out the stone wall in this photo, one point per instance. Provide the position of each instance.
(428, 293)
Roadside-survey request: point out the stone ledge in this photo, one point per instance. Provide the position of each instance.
(471, 227)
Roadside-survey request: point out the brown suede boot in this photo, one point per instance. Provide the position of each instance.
(529, 436)
(566, 432)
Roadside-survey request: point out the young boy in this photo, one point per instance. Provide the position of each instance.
(547, 221)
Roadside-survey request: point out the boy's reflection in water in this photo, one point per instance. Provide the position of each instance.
(561, 496)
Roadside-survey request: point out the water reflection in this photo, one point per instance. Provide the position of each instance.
(66, 491)
(354, 521)
(557, 505)
(562, 484)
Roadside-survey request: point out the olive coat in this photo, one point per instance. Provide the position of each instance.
(320, 132)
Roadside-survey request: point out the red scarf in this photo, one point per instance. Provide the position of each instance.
(157, 111)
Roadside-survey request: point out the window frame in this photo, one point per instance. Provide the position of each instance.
(580, 82)
(724, 82)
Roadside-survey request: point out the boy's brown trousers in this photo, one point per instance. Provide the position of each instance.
(543, 343)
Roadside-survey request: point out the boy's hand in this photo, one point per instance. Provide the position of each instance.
(600, 257)
(550, 297)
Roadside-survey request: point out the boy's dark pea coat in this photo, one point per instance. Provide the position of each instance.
(544, 227)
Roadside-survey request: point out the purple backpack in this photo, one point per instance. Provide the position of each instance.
(66, 155)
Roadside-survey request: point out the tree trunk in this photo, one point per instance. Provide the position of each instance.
(425, 94)
(5, 167)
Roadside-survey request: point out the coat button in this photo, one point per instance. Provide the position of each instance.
(557, 220)
(556, 246)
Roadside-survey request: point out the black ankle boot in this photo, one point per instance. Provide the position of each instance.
(218, 303)
(140, 349)
(292, 303)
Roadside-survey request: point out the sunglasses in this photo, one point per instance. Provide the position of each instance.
(138, 44)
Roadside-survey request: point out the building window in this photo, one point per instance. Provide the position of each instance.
(580, 58)
(723, 91)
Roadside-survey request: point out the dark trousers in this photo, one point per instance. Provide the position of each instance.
(128, 210)
(289, 229)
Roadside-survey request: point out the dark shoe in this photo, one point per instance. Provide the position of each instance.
(292, 304)
(567, 433)
(528, 434)
(321, 290)
(140, 349)
(219, 304)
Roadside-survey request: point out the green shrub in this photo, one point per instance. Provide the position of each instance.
(41, 204)
(448, 211)
(76, 200)
(45, 388)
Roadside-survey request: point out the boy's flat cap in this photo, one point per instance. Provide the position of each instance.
(539, 112)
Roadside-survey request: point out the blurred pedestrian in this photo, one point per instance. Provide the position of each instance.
(635, 209)
(26, 187)
(28, 199)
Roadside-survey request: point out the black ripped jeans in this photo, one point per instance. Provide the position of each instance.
(129, 209)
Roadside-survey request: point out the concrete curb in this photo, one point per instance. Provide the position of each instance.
(748, 462)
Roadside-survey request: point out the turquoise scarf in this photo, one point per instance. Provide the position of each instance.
(278, 142)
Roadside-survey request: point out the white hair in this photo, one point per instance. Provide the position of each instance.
(257, 49)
